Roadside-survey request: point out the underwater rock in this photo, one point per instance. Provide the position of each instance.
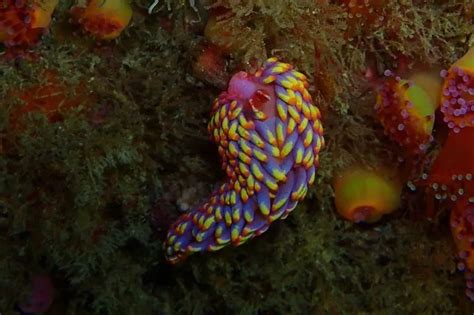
(363, 195)
(457, 99)
(269, 136)
(103, 19)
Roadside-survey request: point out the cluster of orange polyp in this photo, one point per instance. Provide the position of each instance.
(457, 100)
(406, 113)
(22, 23)
(450, 179)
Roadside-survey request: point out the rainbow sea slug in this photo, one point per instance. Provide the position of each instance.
(269, 135)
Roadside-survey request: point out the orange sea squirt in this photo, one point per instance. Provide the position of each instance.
(104, 19)
(363, 195)
(21, 24)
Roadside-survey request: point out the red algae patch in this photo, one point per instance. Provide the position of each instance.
(50, 98)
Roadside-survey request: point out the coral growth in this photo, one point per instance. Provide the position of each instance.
(363, 15)
(22, 23)
(451, 173)
(457, 102)
(407, 114)
(364, 195)
(103, 19)
(269, 136)
(430, 81)
(451, 179)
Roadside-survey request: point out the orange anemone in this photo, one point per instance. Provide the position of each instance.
(22, 24)
(103, 19)
(406, 112)
(364, 195)
(452, 172)
(457, 100)
(451, 180)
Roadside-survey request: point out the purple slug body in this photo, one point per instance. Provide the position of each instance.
(269, 135)
(41, 296)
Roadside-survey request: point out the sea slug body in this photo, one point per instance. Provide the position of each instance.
(269, 136)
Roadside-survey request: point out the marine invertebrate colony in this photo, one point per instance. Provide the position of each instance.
(269, 135)
(407, 113)
(104, 19)
(365, 196)
(457, 100)
(22, 24)
(363, 14)
(451, 179)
